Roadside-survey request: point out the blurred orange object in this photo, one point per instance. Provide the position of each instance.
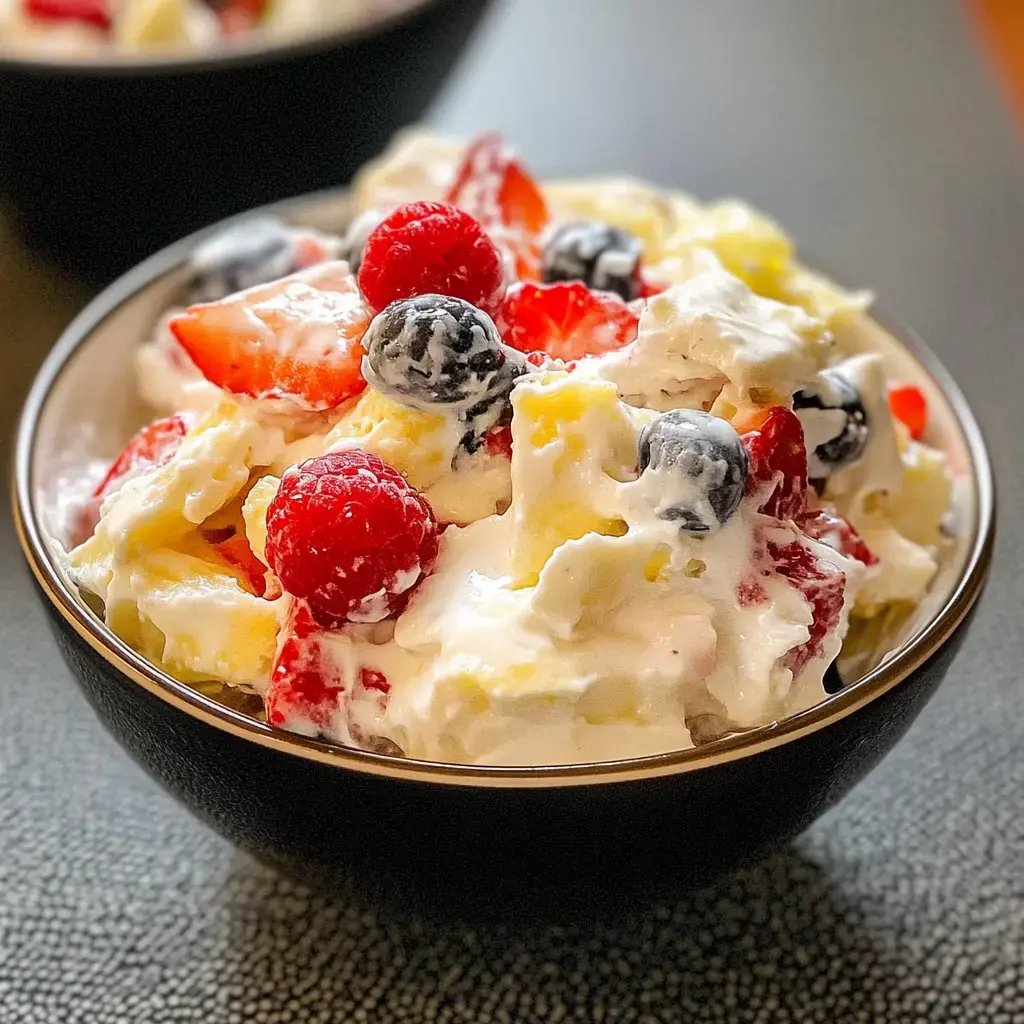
(1002, 27)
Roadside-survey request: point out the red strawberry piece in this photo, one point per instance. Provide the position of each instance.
(430, 248)
(827, 526)
(152, 447)
(822, 585)
(910, 407)
(499, 441)
(566, 320)
(237, 17)
(777, 474)
(296, 338)
(495, 188)
(92, 12)
(236, 552)
(305, 686)
(371, 679)
(349, 536)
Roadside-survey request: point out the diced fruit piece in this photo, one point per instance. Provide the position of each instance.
(778, 465)
(254, 514)
(499, 442)
(601, 256)
(827, 526)
(834, 421)
(566, 320)
(93, 12)
(297, 338)
(439, 353)
(822, 585)
(493, 186)
(349, 536)
(193, 617)
(305, 687)
(152, 446)
(235, 551)
(708, 454)
(910, 407)
(567, 431)
(430, 248)
(254, 252)
(237, 17)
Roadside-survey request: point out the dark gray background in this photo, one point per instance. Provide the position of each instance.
(872, 129)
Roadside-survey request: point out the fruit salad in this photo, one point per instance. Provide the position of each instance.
(87, 28)
(512, 473)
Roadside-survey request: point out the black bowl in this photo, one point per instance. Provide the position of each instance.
(525, 832)
(105, 161)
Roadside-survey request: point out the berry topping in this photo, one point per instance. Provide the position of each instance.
(822, 585)
(827, 526)
(305, 686)
(438, 351)
(258, 250)
(910, 407)
(493, 186)
(566, 320)
(702, 466)
(358, 234)
(778, 465)
(599, 255)
(297, 338)
(430, 248)
(93, 12)
(834, 422)
(152, 447)
(347, 534)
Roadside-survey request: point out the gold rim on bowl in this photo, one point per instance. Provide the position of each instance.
(918, 649)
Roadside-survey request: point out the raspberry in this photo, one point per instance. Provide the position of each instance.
(349, 536)
(425, 248)
(494, 187)
(152, 447)
(910, 407)
(566, 320)
(778, 465)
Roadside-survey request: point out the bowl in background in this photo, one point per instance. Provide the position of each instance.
(490, 831)
(105, 160)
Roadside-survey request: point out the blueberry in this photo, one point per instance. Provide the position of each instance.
(835, 423)
(437, 352)
(599, 255)
(354, 242)
(254, 252)
(701, 466)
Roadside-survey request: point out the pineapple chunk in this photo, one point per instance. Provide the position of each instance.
(254, 514)
(143, 24)
(917, 509)
(573, 440)
(626, 203)
(161, 508)
(193, 618)
(418, 444)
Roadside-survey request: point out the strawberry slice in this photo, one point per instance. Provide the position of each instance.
(237, 17)
(235, 551)
(822, 585)
(567, 320)
(152, 447)
(826, 525)
(910, 407)
(777, 457)
(92, 12)
(296, 338)
(494, 187)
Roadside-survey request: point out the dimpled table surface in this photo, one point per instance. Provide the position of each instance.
(873, 130)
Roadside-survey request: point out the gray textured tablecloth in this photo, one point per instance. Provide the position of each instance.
(871, 128)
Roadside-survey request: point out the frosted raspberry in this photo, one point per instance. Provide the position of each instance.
(427, 248)
(347, 534)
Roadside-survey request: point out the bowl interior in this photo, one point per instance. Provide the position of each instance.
(84, 408)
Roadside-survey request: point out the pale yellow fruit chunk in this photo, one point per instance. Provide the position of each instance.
(254, 514)
(193, 618)
(572, 441)
(418, 444)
